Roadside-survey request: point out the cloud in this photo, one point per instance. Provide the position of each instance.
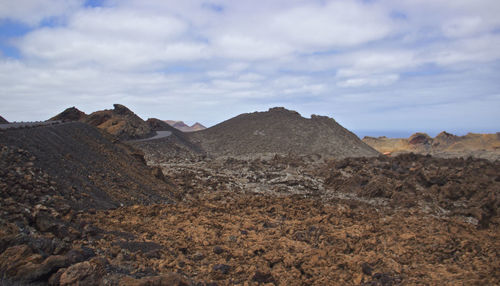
(376, 80)
(208, 60)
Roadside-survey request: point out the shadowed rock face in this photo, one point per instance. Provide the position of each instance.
(120, 122)
(3, 121)
(70, 114)
(280, 131)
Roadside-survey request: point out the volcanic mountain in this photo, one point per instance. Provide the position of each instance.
(3, 121)
(280, 131)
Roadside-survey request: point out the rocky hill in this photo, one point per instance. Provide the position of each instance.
(70, 114)
(280, 131)
(180, 125)
(3, 121)
(120, 122)
(443, 145)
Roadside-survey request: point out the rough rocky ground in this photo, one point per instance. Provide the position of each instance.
(249, 239)
(444, 145)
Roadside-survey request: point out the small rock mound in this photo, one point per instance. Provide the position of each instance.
(420, 138)
(70, 114)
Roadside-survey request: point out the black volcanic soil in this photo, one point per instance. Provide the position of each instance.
(280, 131)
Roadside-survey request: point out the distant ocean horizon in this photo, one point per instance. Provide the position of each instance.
(389, 134)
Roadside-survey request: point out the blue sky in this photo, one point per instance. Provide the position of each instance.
(377, 67)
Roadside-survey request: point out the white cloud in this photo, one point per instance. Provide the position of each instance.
(374, 80)
(333, 25)
(185, 60)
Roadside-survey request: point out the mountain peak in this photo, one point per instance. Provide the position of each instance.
(70, 114)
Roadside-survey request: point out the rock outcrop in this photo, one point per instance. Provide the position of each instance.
(120, 122)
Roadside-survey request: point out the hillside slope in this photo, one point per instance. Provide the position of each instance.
(280, 131)
(90, 165)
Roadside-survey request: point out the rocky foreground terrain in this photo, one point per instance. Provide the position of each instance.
(80, 207)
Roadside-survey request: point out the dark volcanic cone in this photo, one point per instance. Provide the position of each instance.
(281, 131)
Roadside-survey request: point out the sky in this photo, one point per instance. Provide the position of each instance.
(376, 66)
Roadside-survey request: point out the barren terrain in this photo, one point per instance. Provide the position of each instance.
(79, 207)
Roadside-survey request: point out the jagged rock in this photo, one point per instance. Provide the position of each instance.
(84, 273)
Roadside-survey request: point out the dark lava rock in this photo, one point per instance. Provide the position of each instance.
(221, 268)
(262, 277)
(366, 268)
(218, 250)
(84, 273)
